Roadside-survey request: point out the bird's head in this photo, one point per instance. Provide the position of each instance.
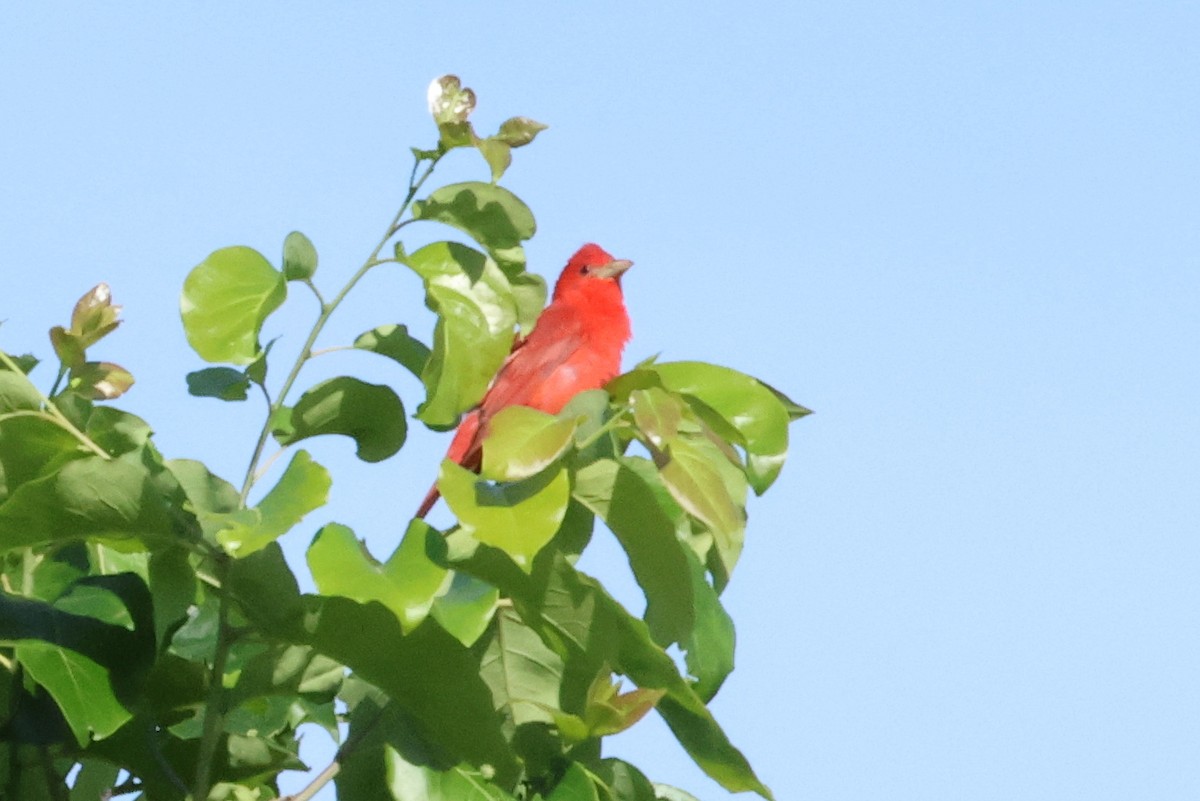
(591, 263)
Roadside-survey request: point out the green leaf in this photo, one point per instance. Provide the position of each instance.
(709, 488)
(466, 608)
(68, 347)
(621, 494)
(79, 686)
(580, 612)
(31, 447)
(225, 383)
(428, 673)
(657, 413)
(517, 517)
(407, 584)
(473, 334)
(25, 362)
(519, 131)
(522, 442)
(16, 392)
(394, 342)
(758, 412)
(491, 215)
(303, 487)
(710, 644)
(210, 497)
(409, 782)
(299, 257)
(119, 498)
(523, 674)
(529, 292)
(95, 777)
(497, 153)
(624, 781)
(370, 414)
(173, 585)
(575, 785)
(100, 380)
(225, 301)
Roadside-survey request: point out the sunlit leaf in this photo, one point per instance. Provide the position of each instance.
(519, 131)
(394, 342)
(225, 300)
(303, 487)
(623, 781)
(754, 409)
(517, 517)
(68, 347)
(17, 393)
(466, 608)
(370, 414)
(498, 155)
(493, 216)
(522, 441)
(529, 292)
(101, 380)
(474, 331)
(710, 643)
(657, 413)
(78, 685)
(411, 782)
(94, 316)
(407, 584)
(299, 257)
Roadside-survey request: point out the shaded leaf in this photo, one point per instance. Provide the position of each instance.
(370, 414)
(299, 257)
(79, 686)
(225, 300)
(16, 392)
(67, 346)
(409, 782)
(523, 674)
(394, 342)
(491, 215)
(519, 131)
(225, 383)
(303, 487)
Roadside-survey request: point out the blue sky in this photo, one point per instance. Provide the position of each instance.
(966, 234)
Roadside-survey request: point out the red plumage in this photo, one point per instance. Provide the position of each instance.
(575, 346)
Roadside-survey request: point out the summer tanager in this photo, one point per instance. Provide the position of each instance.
(576, 345)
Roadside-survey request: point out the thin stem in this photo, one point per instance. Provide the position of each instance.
(53, 413)
(323, 778)
(213, 713)
(62, 371)
(327, 310)
(608, 426)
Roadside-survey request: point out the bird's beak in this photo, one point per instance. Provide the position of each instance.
(613, 269)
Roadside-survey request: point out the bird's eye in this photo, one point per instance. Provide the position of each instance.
(583, 270)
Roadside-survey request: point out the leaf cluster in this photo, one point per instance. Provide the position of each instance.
(153, 640)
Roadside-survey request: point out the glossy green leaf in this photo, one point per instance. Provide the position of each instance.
(498, 155)
(68, 347)
(407, 584)
(303, 487)
(299, 257)
(209, 497)
(225, 301)
(91, 497)
(657, 413)
(529, 291)
(370, 414)
(119, 432)
(517, 517)
(409, 782)
(225, 383)
(493, 216)
(79, 686)
(16, 392)
(466, 608)
(620, 493)
(474, 331)
(522, 441)
(754, 409)
(523, 674)
(394, 342)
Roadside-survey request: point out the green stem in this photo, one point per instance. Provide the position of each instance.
(62, 371)
(327, 310)
(214, 715)
(608, 426)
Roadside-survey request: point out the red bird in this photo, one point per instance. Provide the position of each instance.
(576, 345)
